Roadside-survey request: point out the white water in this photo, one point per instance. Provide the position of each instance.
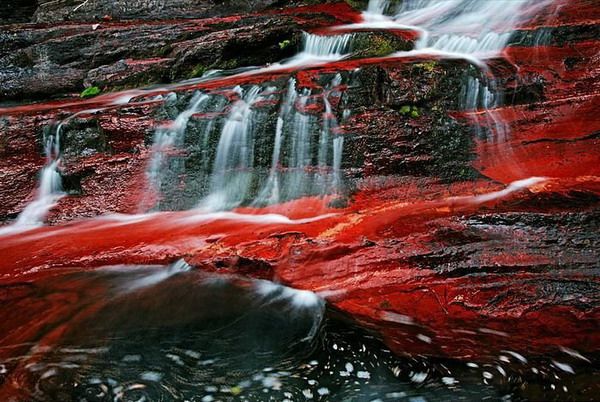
(338, 150)
(234, 160)
(473, 30)
(326, 46)
(316, 49)
(270, 194)
(171, 138)
(454, 27)
(299, 128)
(299, 300)
(153, 276)
(50, 188)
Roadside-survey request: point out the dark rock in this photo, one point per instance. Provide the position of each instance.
(95, 10)
(17, 11)
(40, 62)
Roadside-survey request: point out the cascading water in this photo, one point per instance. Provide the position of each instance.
(305, 150)
(326, 46)
(270, 193)
(454, 27)
(318, 49)
(171, 138)
(458, 28)
(466, 29)
(232, 177)
(50, 188)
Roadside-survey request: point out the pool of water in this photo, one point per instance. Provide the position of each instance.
(164, 334)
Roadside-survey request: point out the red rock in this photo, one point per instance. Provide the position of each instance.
(468, 263)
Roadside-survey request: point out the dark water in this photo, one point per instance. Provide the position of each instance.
(156, 334)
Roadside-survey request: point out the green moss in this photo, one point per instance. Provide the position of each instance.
(227, 64)
(429, 66)
(411, 111)
(381, 46)
(285, 44)
(373, 46)
(90, 92)
(198, 71)
(377, 44)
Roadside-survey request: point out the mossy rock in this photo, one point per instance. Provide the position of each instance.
(91, 92)
(378, 44)
(359, 5)
(198, 71)
(284, 44)
(429, 66)
(412, 111)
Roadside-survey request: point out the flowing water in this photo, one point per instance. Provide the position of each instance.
(151, 333)
(50, 189)
(161, 333)
(244, 156)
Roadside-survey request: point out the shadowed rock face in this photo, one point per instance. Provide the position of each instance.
(17, 11)
(96, 10)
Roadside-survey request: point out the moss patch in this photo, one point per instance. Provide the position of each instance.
(198, 71)
(377, 44)
(429, 66)
(411, 111)
(90, 92)
(284, 44)
(227, 64)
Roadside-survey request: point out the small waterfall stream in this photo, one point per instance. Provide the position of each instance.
(50, 187)
(472, 30)
(170, 138)
(326, 46)
(232, 177)
(305, 152)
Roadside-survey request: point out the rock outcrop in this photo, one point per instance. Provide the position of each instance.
(37, 61)
(450, 238)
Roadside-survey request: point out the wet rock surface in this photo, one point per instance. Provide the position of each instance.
(429, 245)
(95, 10)
(37, 61)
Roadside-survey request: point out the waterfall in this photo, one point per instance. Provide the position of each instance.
(455, 26)
(170, 138)
(321, 48)
(303, 158)
(232, 175)
(270, 194)
(50, 187)
(378, 7)
(328, 46)
(473, 30)
(338, 149)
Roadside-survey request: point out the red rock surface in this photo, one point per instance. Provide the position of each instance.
(475, 265)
